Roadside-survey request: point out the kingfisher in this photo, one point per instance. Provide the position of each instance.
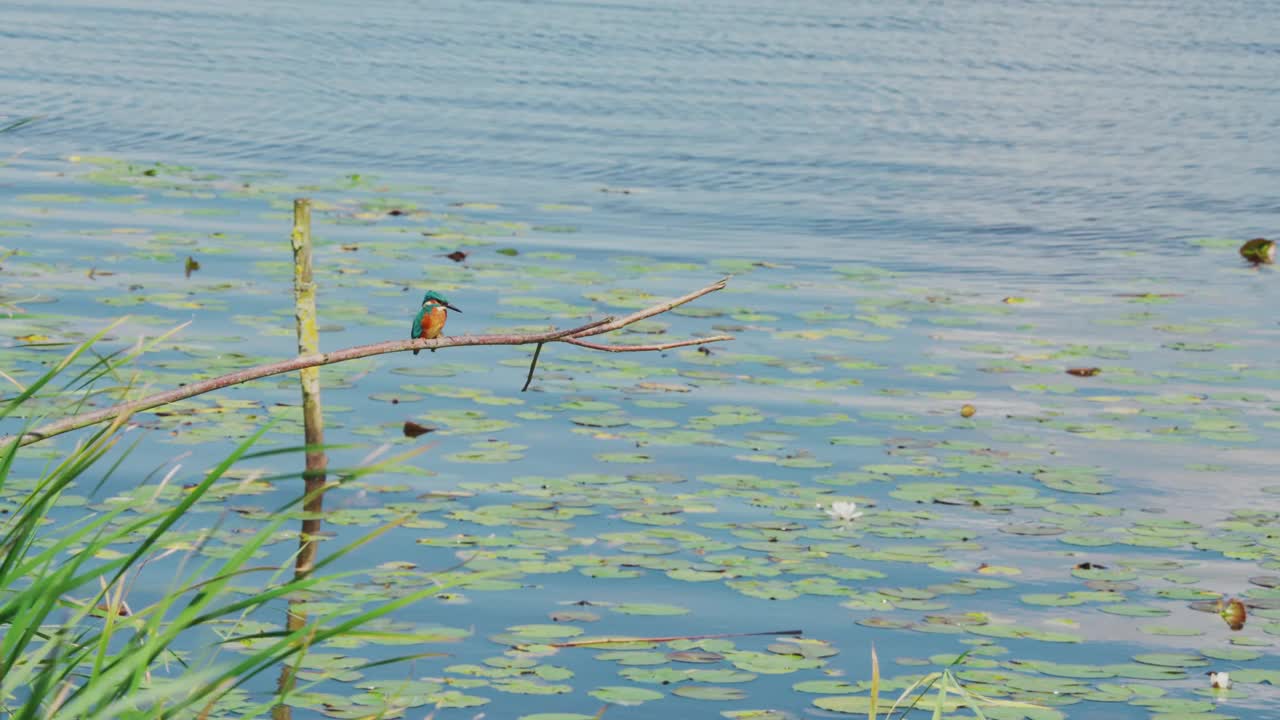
(431, 317)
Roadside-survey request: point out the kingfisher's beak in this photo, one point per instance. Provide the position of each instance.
(452, 307)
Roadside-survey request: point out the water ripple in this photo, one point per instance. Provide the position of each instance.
(992, 127)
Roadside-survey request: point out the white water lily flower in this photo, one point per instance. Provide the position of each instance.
(845, 512)
(1219, 680)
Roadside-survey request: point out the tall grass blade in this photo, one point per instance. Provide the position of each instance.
(927, 681)
(17, 401)
(941, 699)
(875, 684)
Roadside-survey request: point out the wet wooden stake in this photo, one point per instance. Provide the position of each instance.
(304, 301)
(304, 305)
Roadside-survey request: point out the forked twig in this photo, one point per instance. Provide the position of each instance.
(647, 348)
(609, 325)
(588, 642)
(655, 310)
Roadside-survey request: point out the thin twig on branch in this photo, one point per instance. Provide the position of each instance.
(537, 350)
(572, 335)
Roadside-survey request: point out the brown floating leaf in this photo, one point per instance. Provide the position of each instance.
(457, 256)
(190, 266)
(1083, 372)
(395, 212)
(1259, 251)
(350, 248)
(1233, 614)
(413, 429)
(1090, 566)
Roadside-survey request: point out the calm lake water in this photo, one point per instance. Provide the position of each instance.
(926, 205)
(1022, 137)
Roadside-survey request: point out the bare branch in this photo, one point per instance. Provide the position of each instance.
(580, 329)
(316, 359)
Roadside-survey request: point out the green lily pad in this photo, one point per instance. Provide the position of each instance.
(624, 695)
(545, 632)
(709, 692)
(649, 609)
(1129, 610)
(1177, 660)
(1170, 630)
(1231, 654)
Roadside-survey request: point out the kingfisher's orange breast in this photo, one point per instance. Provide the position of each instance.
(433, 322)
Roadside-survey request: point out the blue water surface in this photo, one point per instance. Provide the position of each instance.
(1002, 137)
(1065, 155)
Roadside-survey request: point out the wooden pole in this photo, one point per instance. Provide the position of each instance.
(304, 308)
(304, 302)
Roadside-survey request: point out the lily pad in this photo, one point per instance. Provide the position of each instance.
(710, 692)
(624, 695)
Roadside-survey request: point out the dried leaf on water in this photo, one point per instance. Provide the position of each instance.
(1233, 613)
(1259, 251)
(413, 429)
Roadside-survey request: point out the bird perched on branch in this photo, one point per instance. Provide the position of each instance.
(431, 317)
